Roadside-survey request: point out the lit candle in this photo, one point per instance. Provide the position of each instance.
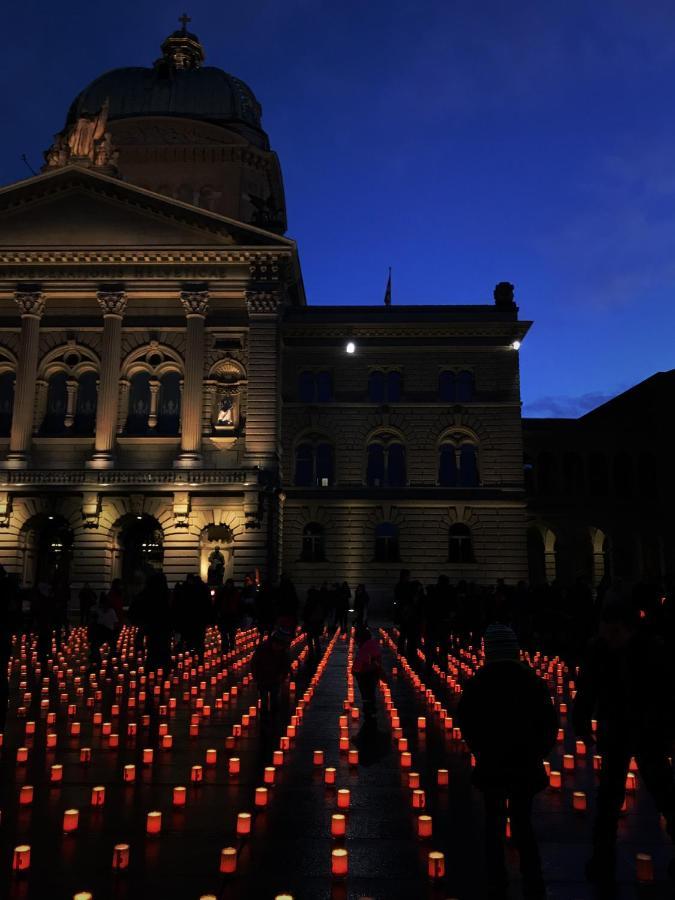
(120, 859)
(154, 822)
(196, 774)
(443, 777)
(424, 826)
(71, 819)
(555, 780)
(338, 825)
(98, 796)
(318, 757)
(568, 762)
(21, 858)
(339, 862)
(233, 765)
(26, 795)
(421, 723)
(85, 754)
(261, 796)
(436, 865)
(21, 755)
(418, 799)
(148, 755)
(243, 823)
(130, 772)
(179, 796)
(268, 776)
(353, 757)
(406, 760)
(413, 779)
(56, 772)
(644, 867)
(329, 775)
(211, 757)
(228, 860)
(343, 797)
(579, 801)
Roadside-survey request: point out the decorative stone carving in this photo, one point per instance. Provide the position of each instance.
(5, 508)
(263, 303)
(31, 303)
(86, 143)
(113, 303)
(91, 508)
(195, 303)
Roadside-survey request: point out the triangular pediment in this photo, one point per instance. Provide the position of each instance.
(75, 207)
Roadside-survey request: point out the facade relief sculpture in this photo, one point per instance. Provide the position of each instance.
(86, 142)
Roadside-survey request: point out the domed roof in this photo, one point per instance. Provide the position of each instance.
(177, 85)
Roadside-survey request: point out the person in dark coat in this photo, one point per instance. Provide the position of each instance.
(368, 672)
(626, 683)
(270, 666)
(509, 721)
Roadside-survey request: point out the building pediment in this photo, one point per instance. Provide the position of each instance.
(74, 207)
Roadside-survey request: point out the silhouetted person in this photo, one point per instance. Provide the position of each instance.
(288, 604)
(228, 614)
(313, 622)
(152, 613)
(406, 614)
(265, 609)
(87, 598)
(116, 594)
(270, 666)
(361, 603)
(626, 683)
(508, 720)
(367, 670)
(101, 627)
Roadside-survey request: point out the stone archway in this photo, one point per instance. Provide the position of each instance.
(46, 545)
(138, 550)
(216, 554)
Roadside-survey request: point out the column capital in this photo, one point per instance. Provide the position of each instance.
(30, 303)
(113, 303)
(195, 303)
(263, 303)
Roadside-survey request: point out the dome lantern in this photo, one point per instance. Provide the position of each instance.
(182, 50)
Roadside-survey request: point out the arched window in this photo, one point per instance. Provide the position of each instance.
(460, 548)
(623, 475)
(598, 476)
(324, 387)
(394, 386)
(314, 464)
(6, 401)
(386, 542)
(386, 465)
(57, 403)
(168, 409)
(446, 387)
(139, 404)
(464, 387)
(458, 463)
(85, 408)
(313, 543)
(376, 386)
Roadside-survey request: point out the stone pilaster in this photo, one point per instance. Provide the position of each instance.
(113, 304)
(154, 402)
(195, 304)
(264, 363)
(71, 401)
(31, 305)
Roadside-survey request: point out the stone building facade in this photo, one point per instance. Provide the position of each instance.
(166, 391)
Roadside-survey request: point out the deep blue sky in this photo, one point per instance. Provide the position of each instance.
(463, 143)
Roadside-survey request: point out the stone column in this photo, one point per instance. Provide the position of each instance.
(32, 306)
(154, 402)
(71, 401)
(113, 304)
(195, 304)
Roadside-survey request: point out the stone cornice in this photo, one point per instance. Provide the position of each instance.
(114, 477)
(263, 303)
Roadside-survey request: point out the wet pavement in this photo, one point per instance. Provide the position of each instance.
(289, 849)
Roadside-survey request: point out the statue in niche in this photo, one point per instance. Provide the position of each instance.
(216, 571)
(225, 412)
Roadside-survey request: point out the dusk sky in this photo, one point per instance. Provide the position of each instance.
(462, 143)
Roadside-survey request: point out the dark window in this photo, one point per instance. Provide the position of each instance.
(446, 387)
(324, 465)
(376, 387)
(460, 549)
(598, 476)
(304, 465)
(447, 466)
(85, 409)
(313, 543)
(394, 382)
(464, 387)
(375, 468)
(396, 474)
(57, 399)
(324, 387)
(306, 387)
(468, 466)
(6, 401)
(168, 408)
(386, 542)
(139, 404)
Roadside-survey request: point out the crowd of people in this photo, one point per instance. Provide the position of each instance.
(622, 640)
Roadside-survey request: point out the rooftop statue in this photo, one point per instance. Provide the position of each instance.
(86, 143)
